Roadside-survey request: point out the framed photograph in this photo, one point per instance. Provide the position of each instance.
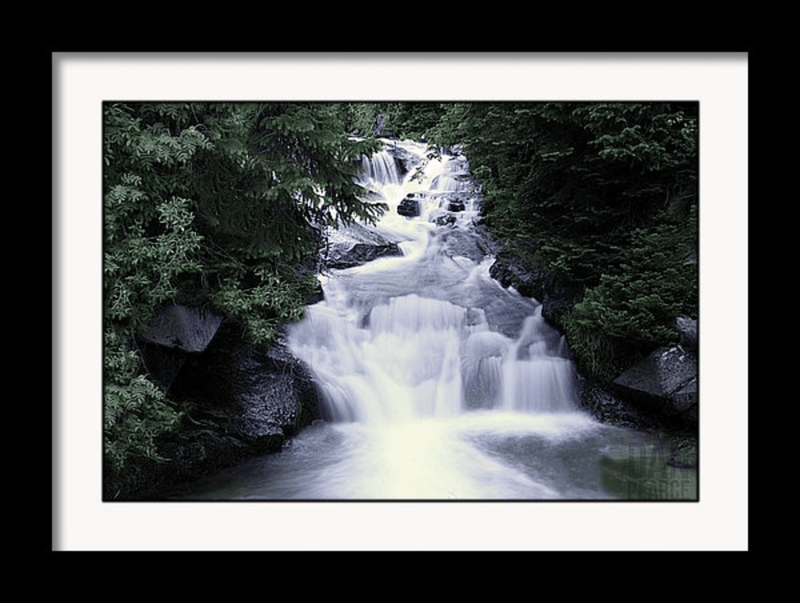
(388, 296)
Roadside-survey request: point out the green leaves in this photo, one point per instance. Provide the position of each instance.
(636, 301)
(135, 415)
(275, 298)
(140, 270)
(278, 175)
(157, 145)
(175, 215)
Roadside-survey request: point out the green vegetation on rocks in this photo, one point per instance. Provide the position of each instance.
(218, 204)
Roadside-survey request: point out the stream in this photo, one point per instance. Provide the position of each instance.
(440, 384)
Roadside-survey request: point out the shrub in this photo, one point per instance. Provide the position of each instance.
(633, 308)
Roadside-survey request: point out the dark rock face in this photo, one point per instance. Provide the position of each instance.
(237, 402)
(455, 205)
(537, 283)
(187, 328)
(404, 160)
(665, 382)
(356, 245)
(360, 253)
(174, 331)
(609, 408)
(260, 398)
(444, 219)
(409, 207)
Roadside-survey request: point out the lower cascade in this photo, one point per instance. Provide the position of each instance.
(437, 383)
(415, 357)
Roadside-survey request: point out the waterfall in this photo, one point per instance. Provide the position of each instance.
(379, 169)
(436, 382)
(407, 338)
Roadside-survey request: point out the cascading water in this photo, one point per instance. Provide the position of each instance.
(437, 382)
(380, 168)
(396, 339)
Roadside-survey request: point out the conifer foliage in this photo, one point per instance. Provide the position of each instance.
(226, 203)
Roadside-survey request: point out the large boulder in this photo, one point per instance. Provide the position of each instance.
(258, 397)
(236, 400)
(607, 407)
(175, 331)
(187, 328)
(356, 245)
(665, 383)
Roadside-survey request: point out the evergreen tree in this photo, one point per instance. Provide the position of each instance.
(225, 202)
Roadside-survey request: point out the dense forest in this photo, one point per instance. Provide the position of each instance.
(228, 203)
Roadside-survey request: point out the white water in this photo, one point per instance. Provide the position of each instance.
(437, 382)
(398, 339)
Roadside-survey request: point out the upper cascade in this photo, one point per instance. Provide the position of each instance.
(428, 334)
(380, 169)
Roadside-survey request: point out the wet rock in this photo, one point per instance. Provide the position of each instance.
(357, 245)
(555, 296)
(404, 159)
(455, 205)
(409, 207)
(255, 396)
(445, 219)
(665, 382)
(609, 408)
(460, 242)
(175, 331)
(182, 327)
(684, 401)
(237, 401)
